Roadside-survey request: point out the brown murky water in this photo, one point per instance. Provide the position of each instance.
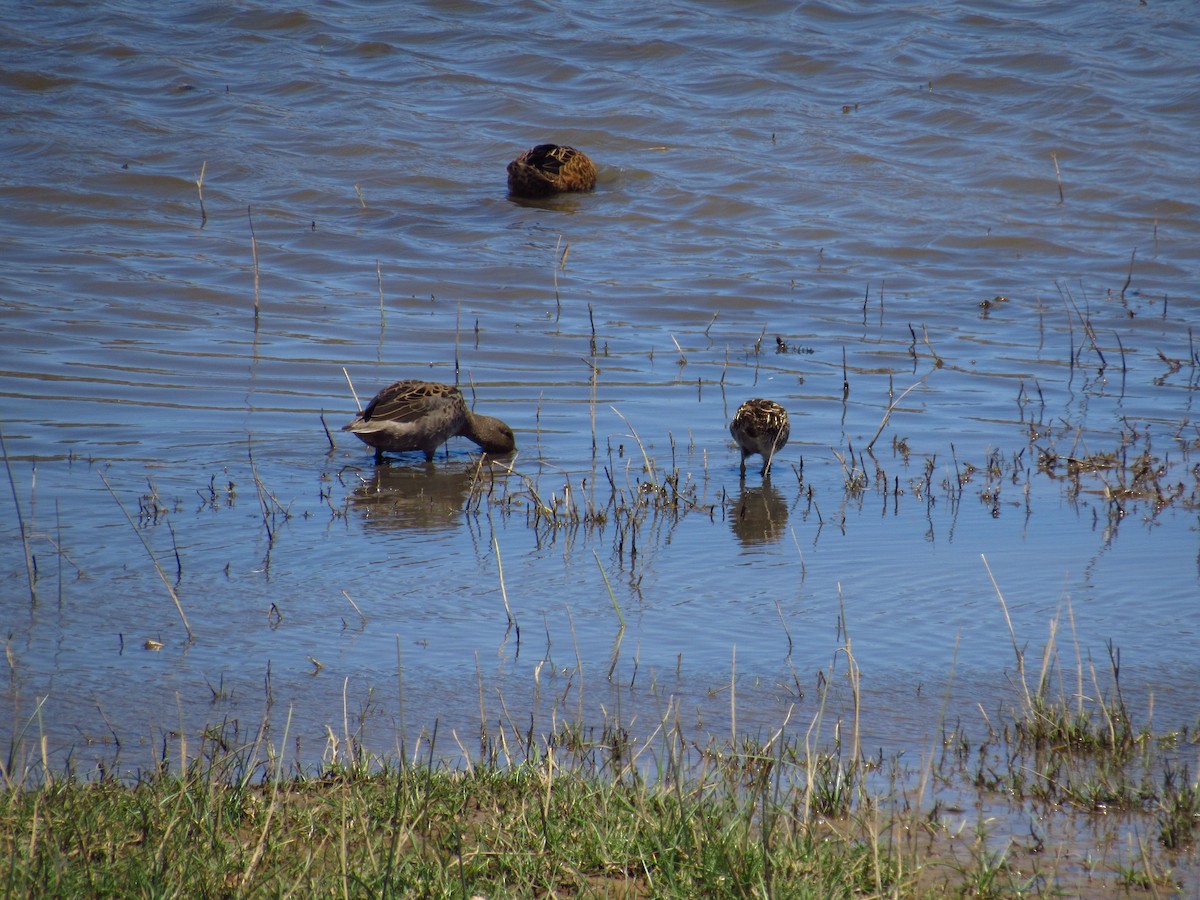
(986, 215)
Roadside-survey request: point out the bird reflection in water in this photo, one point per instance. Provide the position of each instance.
(758, 515)
(421, 497)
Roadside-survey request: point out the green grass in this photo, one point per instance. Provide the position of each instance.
(613, 815)
(1064, 795)
(523, 830)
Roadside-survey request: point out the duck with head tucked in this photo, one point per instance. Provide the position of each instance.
(760, 426)
(550, 169)
(423, 415)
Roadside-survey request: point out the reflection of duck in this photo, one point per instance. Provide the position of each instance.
(758, 516)
(420, 497)
(422, 415)
(760, 426)
(550, 169)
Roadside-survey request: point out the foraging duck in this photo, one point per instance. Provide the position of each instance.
(550, 169)
(760, 426)
(422, 415)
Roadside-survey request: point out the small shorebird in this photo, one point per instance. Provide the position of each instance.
(760, 426)
(550, 169)
(422, 415)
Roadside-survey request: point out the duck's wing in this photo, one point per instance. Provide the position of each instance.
(411, 401)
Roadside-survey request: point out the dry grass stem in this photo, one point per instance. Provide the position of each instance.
(30, 573)
(888, 414)
(682, 355)
(379, 283)
(350, 600)
(153, 559)
(503, 589)
(254, 257)
(353, 393)
(608, 586)
(200, 193)
(1011, 633)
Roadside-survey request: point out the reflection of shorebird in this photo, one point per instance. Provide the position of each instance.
(760, 426)
(758, 515)
(421, 415)
(550, 169)
(418, 497)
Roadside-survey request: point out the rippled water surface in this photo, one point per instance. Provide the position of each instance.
(982, 217)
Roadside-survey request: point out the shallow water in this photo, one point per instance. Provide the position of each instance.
(855, 180)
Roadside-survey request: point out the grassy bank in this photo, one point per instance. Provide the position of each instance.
(525, 831)
(1061, 794)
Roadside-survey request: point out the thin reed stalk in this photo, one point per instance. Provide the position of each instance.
(30, 572)
(646, 461)
(276, 779)
(611, 596)
(350, 600)
(503, 590)
(353, 393)
(379, 283)
(1011, 633)
(161, 574)
(200, 193)
(1058, 177)
(254, 257)
(888, 413)
(1129, 275)
(560, 262)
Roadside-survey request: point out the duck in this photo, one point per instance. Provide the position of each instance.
(423, 415)
(760, 426)
(550, 169)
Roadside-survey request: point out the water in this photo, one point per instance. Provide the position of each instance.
(853, 179)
